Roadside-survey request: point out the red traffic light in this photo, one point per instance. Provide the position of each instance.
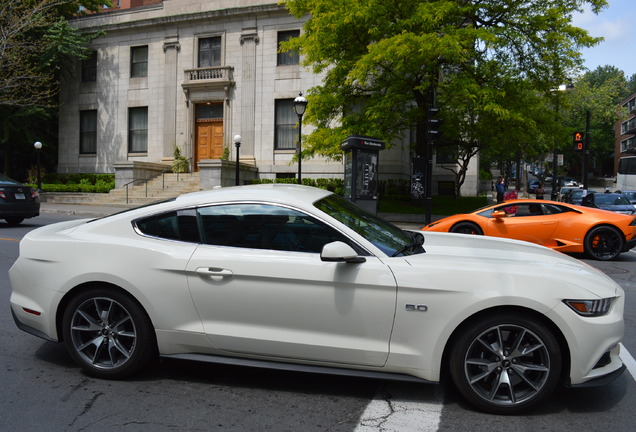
(579, 143)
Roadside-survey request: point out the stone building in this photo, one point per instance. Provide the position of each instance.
(193, 74)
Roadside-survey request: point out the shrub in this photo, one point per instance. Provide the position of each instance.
(87, 183)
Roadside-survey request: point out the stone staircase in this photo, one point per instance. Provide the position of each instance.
(164, 186)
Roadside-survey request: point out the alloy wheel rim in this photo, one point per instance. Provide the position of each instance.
(507, 365)
(103, 333)
(604, 244)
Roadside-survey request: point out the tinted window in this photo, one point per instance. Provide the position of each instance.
(259, 226)
(181, 225)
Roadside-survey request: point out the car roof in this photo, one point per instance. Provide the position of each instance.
(275, 192)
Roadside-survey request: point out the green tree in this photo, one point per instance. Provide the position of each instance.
(35, 40)
(599, 92)
(385, 60)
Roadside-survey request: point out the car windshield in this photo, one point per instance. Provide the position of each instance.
(611, 199)
(392, 240)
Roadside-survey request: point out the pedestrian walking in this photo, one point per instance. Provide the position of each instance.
(500, 188)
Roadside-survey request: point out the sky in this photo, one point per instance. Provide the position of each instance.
(616, 24)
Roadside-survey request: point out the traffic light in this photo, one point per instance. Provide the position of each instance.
(579, 143)
(434, 123)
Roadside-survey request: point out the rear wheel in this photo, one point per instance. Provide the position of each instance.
(14, 220)
(467, 228)
(603, 243)
(107, 333)
(506, 364)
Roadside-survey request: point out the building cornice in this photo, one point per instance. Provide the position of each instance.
(112, 21)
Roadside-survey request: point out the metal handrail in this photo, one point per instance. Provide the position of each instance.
(146, 180)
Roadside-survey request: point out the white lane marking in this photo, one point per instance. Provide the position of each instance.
(400, 408)
(412, 409)
(628, 361)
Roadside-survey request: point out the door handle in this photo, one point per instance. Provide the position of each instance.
(212, 271)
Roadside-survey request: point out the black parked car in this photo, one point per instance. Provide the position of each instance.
(631, 196)
(616, 202)
(17, 201)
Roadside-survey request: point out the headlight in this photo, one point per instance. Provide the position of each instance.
(590, 308)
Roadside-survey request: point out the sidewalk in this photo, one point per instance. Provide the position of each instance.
(86, 210)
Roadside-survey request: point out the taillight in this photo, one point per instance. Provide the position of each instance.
(3, 195)
(34, 193)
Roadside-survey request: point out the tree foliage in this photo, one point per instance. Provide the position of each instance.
(35, 40)
(383, 59)
(600, 92)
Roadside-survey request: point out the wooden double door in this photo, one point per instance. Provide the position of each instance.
(209, 132)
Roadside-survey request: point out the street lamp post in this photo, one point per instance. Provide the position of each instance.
(38, 147)
(237, 144)
(300, 104)
(555, 162)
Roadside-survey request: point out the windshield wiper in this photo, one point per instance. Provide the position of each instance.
(417, 240)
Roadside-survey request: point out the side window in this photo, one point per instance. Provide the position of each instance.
(178, 225)
(286, 58)
(88, 132)
(89, 67)
(258, 226)
(554, 209)
(209, 52)
(139, 61)
(529, 210)
(285, 119)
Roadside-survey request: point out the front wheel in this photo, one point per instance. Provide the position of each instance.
(467, 228)
(506, 364)
(107, 333)
(14, 220)
(603, 243)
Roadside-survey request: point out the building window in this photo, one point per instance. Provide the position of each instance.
(139, 61)
(286, 58)
(138, 130)
(628, 145)
(209, 52)
(89, 67)
(88, 132)
(286, 120)
(628, 126)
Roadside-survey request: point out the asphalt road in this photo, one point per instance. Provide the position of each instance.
(42, 389)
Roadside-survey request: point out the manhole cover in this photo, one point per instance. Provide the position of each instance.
(614, 270)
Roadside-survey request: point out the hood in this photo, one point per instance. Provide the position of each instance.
(620, 208)
(516, 257)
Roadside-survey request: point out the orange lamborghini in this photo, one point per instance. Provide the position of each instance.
(600, 234)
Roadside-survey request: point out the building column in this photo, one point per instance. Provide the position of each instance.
(171, 49)
(249, 40)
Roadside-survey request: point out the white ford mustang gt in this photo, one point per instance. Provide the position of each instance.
(295, 277)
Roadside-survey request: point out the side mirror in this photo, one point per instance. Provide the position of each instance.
(498, 214)
(340, 252)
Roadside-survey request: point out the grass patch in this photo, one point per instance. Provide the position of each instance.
(443, 206)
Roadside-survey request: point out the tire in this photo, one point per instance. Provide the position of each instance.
(108, 334)
(506, 364)
(467, 228)
(603, 243)
(14, 220)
